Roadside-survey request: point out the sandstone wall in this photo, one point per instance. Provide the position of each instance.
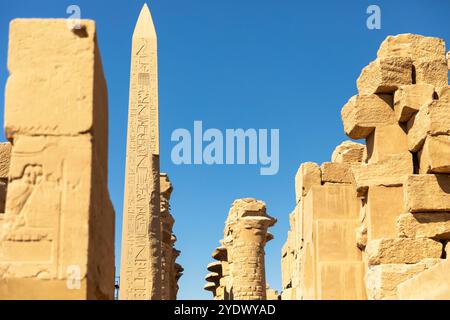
(377, 216)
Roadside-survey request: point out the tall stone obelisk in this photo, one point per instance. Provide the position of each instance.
(140, 273)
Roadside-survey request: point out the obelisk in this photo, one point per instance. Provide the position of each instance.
(140, 274)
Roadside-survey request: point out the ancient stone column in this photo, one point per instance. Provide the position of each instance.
(57, 236)
(141, 236)
(247, 226)
(5, 155)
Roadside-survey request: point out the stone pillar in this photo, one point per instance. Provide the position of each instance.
(247, 226)
(141, 276)
(57, 239)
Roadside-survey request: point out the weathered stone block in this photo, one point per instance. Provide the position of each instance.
(434, 72)
(363, 113)
(386, 141)
(401, 250)
(384, 205)
(5, 155)
(434, 225)
(382, 280)
(434, 157)
(414, 46)
(341, 281)
(348, 152)
(336, 172)
(335, 240)
(390, 171)
(443, 94)
(58, 239)
(432, 119)
(385, 75)
(431, 284)
(409, 99)
(427, 192)
(308, 175)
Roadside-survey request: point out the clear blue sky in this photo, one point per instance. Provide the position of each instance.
(286, 64)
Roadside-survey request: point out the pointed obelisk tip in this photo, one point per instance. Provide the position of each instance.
(144, 25)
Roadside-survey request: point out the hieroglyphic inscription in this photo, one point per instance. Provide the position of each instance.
(142, 259)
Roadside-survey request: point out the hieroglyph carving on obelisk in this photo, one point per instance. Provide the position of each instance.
(140, 277)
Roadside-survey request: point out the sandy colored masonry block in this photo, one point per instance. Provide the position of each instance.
(384, 205)
(385, 75)
(336, 172)
(401, 250)
(329, 202)
(434, 72)
(341, 281)
(390, 171)
(382, 280)
(409, 99)
(386, 141)
(348, 152)
(434, 157)
(363, 113)
(432, 119)
(59, 220)
(434, 225)
(427, 192)
(443, 94)
(414, 46)
(431, 284)
(5, 155)
(335, 240)
(308, 175)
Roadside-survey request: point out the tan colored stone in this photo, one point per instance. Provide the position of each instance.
(385, 75)
(308, 175)
(5, 155)
(341, 281)
(336, 172)
(434, 225)
(432, 119)
(434, 72)
(384, 205)
(335, 240)
(401, 250)
(414, 46)
(329, 202)
(390, 171)
(409, 99)
(443, 94)
(434, 157)
(431, 284)
(141, 232)
(382, 280)
(348, 152)
(57, 241)
(427, 192)
(363, 113)
(386, 141)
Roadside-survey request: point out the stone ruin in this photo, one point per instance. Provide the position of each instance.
(374, 223)
(57, 230)
(239, 273)
(56, 217)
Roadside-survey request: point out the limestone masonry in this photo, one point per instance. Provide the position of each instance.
(374, 222)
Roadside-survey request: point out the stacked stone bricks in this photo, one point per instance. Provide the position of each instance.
(374, 222)
(240, 272)
(171, 271)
